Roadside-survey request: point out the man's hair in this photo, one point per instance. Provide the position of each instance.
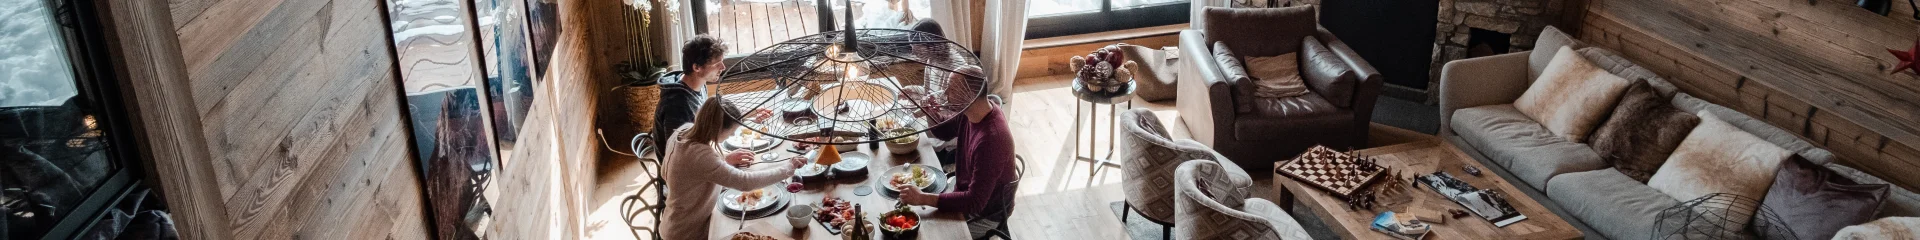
(700, 50)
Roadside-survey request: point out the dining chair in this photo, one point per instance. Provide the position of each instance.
(1000, 229)
(634, 205)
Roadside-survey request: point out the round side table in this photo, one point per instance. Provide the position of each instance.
(1095, 161)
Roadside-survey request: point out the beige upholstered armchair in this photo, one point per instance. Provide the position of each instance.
(1206, 211)
(1151, 156)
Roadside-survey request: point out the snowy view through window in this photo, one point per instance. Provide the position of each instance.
(34, 69)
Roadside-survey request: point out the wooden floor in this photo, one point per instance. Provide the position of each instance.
(1059, 198)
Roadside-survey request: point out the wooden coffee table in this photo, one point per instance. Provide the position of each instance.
(1425, 157)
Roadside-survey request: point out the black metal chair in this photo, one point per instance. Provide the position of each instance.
(634, 205)
(1001, 231)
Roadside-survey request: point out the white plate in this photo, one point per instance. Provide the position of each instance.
(853, 161)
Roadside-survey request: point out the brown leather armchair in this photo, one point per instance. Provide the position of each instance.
(1255, 132)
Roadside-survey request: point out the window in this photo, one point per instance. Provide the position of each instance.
(65, 159)
(1053, 18)
(749, 25)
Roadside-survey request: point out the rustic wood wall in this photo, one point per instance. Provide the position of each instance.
(281, 119)
(1816, 68)
(302, 117)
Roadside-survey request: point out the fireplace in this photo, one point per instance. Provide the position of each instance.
(1472, 28)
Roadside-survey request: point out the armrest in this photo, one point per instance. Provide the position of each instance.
(1366, 92)
(1489, 80)
(1208, 96)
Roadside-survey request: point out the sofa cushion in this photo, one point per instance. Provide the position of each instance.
(1900, 201)
(1610, 202)
(1572, 97)
(1815, 202)
(1719, 158)
(1546, 47)
(1292, 117)
(1885, 228)
(1327, 73)
(1526, 149)
(1775, 135)
(1642, 132)
(1277, 76)
(1260, 31)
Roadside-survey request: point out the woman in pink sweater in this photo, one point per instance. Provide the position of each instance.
(694, 168)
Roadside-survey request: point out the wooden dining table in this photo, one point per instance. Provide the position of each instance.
(934, 224)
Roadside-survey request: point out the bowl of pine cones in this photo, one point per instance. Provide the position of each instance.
(1105, 70)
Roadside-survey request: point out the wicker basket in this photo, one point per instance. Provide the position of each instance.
(642, 102)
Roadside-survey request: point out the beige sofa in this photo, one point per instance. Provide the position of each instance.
(1477, 114)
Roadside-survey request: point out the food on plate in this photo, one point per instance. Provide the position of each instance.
(760, 115)
(834, 211)
(902, 221)
(908, 139)
(888, 123)
(750, 198)
(914, 175)
(750, 236)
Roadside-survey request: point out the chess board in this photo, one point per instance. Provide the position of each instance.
(1329, 170)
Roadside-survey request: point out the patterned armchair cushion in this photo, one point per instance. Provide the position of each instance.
(1151, 158)
(1202, 217)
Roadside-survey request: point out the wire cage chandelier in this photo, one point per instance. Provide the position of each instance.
(851, 86)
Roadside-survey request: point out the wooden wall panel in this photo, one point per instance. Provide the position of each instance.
(1727, 51)
(302, 117)
(282, 119)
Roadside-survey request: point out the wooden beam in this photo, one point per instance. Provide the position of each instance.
(146, 54)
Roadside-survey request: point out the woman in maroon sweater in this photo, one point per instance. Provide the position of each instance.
(984, 171)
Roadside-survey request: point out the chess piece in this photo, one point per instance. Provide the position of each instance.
(1471, 170)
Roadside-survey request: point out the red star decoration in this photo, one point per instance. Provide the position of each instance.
(1906, 58)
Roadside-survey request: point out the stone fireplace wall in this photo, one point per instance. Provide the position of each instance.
(1523, 19)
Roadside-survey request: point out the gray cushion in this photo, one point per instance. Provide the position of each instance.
(1523, 146)
(1544, 47)
(1900, 201)
(1613, 204)
(1757, 127)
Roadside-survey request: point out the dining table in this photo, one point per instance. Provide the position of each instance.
(934, 224)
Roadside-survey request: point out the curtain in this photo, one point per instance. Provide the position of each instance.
(1200, 9)
(1006, 27)
(953, 16)
(682, 28)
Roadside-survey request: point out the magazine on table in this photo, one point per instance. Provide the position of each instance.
(1485, 203)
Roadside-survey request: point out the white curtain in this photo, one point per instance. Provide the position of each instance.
(955, 18)
(1199, 9)
(1006, 27)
